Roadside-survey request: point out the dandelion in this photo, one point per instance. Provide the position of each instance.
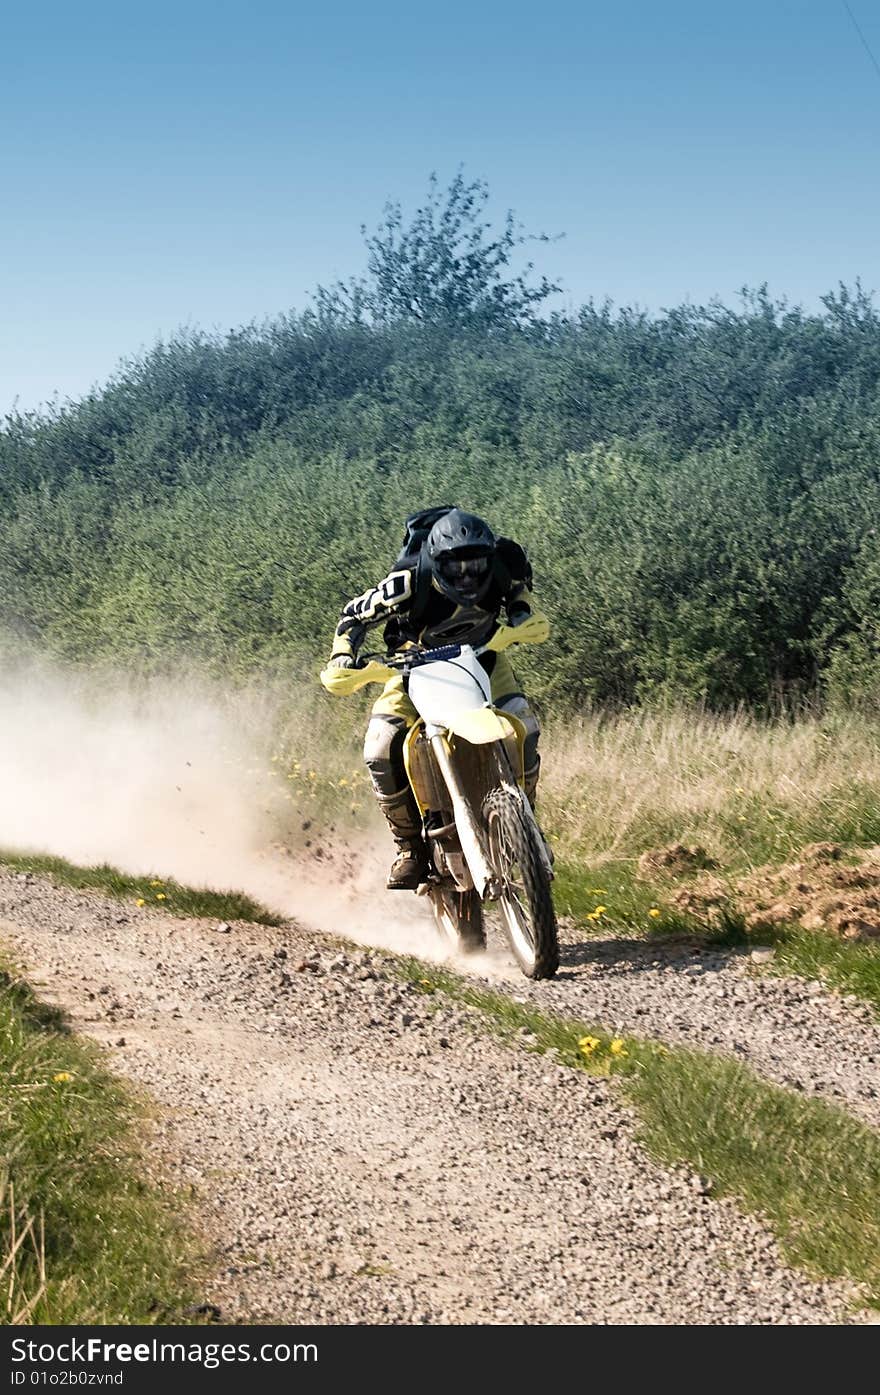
(588, 1045)
(600, 910)
(617, 1047)
(160, 896)
(140, 901)
(156, 882)
(655, 911)
(62, 1077)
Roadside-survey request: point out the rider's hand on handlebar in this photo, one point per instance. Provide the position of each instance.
(518, 617)
(344, 661)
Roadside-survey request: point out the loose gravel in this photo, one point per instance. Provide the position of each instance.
(363, 1152)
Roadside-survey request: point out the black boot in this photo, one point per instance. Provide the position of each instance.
(410, 867)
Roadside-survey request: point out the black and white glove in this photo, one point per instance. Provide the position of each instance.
(343, 661)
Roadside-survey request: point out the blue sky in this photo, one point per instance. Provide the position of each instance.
(209, 164)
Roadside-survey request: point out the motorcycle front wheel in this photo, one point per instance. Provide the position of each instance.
(526, 899)
(459, 918)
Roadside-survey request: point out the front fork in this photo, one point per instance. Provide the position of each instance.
(469, 831)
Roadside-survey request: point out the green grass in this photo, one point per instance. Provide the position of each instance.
(579, 889)
(159, 893)
(807, 1168)
(101, 1244)
(810, 1169)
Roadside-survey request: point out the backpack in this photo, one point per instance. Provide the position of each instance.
(418, 526)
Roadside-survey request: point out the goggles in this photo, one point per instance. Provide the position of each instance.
(464, 568)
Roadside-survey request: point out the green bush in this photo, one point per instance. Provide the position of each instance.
(698, 490)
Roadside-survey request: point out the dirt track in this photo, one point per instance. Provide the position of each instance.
(357, 1159)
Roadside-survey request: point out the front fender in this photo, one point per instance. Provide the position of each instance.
(481, 725)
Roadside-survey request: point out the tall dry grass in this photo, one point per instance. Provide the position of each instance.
(748, 790)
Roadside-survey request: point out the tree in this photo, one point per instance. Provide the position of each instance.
(448, 267)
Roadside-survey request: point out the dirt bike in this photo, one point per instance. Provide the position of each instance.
(464, 762)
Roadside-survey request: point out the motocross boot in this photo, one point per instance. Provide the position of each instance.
(410, 867)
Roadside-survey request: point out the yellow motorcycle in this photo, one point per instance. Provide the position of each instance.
(464, 762)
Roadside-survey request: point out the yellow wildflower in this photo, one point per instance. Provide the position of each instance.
(62, 1077)
(655, 911)
(155, 883)
(617, 1047)
(160, 896)
(140, 901)
(589, 1044)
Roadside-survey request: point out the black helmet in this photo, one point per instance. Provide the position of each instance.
(460, 548)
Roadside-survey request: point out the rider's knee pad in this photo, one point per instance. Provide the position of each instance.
(383, 754)
(518, 707)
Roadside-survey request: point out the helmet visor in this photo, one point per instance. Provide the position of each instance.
(466, 575)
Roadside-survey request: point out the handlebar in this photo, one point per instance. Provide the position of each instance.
(378, 668)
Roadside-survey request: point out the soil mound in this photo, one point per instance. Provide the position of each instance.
(675, 860)
(823, 889)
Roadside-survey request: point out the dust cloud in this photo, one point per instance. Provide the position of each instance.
(148, 778)
(176, 780)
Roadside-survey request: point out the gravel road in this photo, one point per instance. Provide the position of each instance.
(359, 1159)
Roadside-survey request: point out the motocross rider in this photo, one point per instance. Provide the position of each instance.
(449, 585)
